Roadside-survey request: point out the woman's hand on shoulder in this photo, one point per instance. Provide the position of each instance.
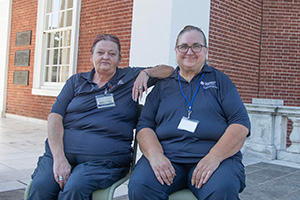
(163, 169)
(140, 85)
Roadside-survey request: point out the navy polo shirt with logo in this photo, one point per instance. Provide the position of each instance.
(217, 104)
(89, 130)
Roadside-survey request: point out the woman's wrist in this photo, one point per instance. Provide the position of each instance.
(147, 73)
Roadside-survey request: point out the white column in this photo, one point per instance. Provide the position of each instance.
(5, 21)
(156, 24)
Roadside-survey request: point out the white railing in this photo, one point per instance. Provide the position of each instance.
(269, 127)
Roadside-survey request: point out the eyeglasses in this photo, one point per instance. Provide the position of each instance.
(196, 48)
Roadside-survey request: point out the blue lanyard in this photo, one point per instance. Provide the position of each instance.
(190, 104)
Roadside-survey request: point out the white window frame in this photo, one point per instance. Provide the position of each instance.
(39, 86)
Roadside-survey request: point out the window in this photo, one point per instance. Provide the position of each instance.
(56, 45)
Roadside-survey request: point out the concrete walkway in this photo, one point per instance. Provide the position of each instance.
(22, 142)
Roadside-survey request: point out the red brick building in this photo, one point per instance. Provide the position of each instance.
(256, 43)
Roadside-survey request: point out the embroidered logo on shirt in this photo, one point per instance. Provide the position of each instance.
(120, 82)
(211, 84)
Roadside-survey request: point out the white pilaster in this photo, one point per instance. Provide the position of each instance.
(5, 21)
(156, 24)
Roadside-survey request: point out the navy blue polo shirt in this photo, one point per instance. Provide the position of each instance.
(89, 130)
(217, 104)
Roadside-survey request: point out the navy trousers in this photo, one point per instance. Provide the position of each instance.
(225, 183)
(88, 174)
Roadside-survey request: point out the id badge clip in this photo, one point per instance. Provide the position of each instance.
(105, 101)
(187, 124)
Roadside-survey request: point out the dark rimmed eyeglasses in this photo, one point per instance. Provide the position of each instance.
(196, 48)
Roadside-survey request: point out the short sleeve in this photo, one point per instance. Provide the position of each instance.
(234, 109)
(64, 97)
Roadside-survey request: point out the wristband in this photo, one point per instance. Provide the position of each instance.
(146, 73)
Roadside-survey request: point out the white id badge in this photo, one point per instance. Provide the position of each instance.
(189, 125)
(105, 100)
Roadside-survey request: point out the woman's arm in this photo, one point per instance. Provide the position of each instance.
(153, 151)
(140, 84)
(61, 166)
(228, 145)
(159, 71)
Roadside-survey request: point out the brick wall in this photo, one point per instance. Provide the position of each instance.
(280, 61)
(234, 38)
(234, 47)
(235, 34)
(106, 16)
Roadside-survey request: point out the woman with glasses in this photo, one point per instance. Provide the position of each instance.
(191, 130)
(90, 126)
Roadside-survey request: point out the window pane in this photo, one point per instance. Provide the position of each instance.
(61, 39)
(60, 56)
(70, 3)
(63, 4)
(53, 74)
(54, 23)
(68, 38)
(61, 19)
(49, 6)
(48, 57)
(56, 5)
(64, 73)
(49, 43)
(48, 24)
(68, 56)
(55, 56)
(47, 74)
(69, 18)
(63, 56)
(64, 38)
(58, 74)
(56, 39)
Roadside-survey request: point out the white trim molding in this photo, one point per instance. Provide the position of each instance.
(53, 89)
(5, 21)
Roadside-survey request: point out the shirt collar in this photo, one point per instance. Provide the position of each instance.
(89, 75)
(120, 74)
